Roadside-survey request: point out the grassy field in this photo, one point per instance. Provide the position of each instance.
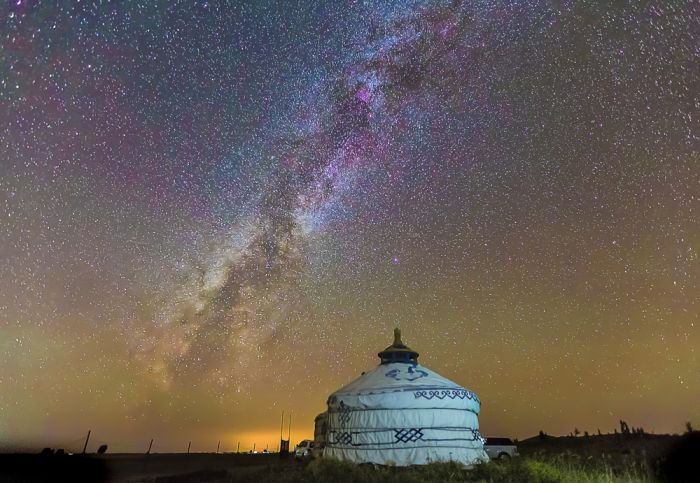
(269, 468)
(327, 470)
(605, 458)
(219, 469)
(525, 469)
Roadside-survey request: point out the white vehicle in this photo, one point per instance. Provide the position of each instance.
(500, 448)
(304, 450)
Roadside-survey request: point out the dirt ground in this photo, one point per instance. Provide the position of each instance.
(133, 468)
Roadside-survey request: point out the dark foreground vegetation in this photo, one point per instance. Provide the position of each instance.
(606, 458)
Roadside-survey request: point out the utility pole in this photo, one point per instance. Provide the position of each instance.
(86, 440)
(188, 447)
(289, 435)
(218, 445)
(238, 448)
(281, 431)
(282, 425)
(149, 447)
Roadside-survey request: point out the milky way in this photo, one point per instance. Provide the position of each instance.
(213, 211)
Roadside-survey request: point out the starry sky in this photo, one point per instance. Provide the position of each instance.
(211, 212)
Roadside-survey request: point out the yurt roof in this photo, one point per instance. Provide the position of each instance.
(405, 384)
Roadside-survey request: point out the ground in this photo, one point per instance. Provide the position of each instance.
(604, 458)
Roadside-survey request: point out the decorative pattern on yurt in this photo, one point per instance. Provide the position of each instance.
(404, 414)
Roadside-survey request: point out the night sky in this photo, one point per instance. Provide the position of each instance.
(214, 211)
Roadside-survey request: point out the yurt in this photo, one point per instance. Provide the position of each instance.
(401, 413)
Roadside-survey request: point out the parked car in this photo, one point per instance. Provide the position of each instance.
(500, 448)
(304, 450)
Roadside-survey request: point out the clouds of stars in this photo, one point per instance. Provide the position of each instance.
(211, 211)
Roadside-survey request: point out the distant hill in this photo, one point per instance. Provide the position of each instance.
(671, 455)
(644, 446)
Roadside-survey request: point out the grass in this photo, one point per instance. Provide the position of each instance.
(528, 469)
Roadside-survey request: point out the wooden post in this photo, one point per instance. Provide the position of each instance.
(188, 447)
(282, 425)
(218, 445)
(149, 447)
(86, 441)
(238, 448)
